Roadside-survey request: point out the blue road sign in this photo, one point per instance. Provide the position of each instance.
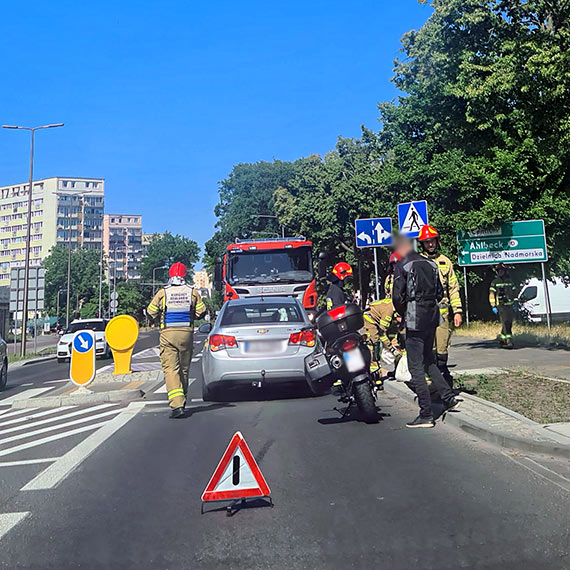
(83, 342)
(411, 217)
(373, 232)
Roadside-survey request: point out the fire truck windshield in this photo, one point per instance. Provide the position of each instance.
(271, 266)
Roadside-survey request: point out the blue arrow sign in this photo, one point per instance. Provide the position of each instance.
(411, 217)
(83, 342)
(373, 232)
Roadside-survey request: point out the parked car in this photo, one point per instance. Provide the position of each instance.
(254, 342)
(4, 360)
(102, 349)
(533, 300)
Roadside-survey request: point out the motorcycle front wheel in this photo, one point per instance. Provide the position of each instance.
(365, 402)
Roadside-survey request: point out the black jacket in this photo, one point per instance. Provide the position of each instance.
(417, 292)
(335, 294)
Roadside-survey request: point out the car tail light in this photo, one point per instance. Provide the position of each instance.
(349, 344)
(338, 313)
(221, 342)
(305, 338)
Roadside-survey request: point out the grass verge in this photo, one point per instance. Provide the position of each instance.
(524, 334)
(46, 352)
(543, 401)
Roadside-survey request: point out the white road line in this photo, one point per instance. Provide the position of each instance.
(54, 428)
(26, 385)
(194, 400)
(28, 462)
(26, 395)
(48, 439)
(56, 419)
(54, 474)
(57, 381)
(9, 520)
(196, 358)
(10, 413)
(161, 390)
(32, 416)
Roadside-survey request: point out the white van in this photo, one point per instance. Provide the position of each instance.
(531, 299)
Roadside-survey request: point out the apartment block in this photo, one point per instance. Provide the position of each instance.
(202, 279)
(122, 240)
(64, 210)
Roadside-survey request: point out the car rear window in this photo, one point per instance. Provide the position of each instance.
(261, 313)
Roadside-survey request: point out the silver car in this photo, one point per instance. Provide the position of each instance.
(255, 342)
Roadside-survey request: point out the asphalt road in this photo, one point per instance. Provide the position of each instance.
(347, 495)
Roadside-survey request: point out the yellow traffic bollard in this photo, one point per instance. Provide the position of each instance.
(121, 334)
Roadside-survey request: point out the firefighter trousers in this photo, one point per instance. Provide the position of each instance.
(176, 346)
(442, 340)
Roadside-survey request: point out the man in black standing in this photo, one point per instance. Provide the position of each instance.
(416, 295)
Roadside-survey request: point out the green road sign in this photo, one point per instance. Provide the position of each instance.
(512, 242)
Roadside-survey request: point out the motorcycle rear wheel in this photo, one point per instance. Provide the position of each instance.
(365, 402)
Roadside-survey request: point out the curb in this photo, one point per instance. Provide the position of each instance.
(21, 363)
(79, 399)
(486, 432)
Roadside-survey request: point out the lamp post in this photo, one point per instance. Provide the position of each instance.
(270, 217)
(29, 224)
(57, 305)
(154, 278)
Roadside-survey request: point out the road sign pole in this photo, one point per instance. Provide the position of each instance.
(376, 273)
(546, 297)
(466, 296)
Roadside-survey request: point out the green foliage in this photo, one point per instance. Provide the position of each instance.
(84, 278)
(132, 299)
(166, 249)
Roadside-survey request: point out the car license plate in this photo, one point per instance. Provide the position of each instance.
(353, 360)
(262, 346)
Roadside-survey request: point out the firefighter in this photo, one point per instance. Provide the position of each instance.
(502, 295)
(335, 293)
(389, 281)
(382, 325)
(177, 305)
(450, 306)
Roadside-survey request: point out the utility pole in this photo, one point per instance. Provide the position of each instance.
(29, 225)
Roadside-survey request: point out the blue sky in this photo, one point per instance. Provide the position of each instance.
(162, 98)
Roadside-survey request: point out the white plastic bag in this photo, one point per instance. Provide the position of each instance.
(402, 372)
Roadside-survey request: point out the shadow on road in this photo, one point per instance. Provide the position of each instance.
(352, 416)
(189, 412)
(274, 392)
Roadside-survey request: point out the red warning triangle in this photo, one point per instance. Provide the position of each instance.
(237, 475)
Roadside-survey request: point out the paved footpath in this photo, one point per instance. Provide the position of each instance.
(469, 353)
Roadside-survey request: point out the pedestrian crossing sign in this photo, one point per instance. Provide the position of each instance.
(412, 216)
(82, 365)
(237, 475)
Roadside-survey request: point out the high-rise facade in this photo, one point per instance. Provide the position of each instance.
(64, 210)
(122, 239)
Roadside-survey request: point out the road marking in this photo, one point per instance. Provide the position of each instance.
(9, 413)
(28, 384)
(26, 395)
(550, 475)
(56, 419)
(48, 439)
(162, 389)
(33, 416)
(57, 381)
(54, 428)
(9, 520)
(196, 358)
(58, 471)
(27, 462)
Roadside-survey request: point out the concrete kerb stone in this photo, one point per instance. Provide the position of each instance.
(21, 363)
(546, 442)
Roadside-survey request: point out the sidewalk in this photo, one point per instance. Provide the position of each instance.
(467, 353)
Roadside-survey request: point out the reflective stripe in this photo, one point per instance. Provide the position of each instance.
(368, 318)
(175, 393)
(384, 337)
(384, 323)
(200, 306)
(152, 307)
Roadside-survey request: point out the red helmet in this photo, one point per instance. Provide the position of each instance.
(177, 270)
(428, 232)
(342, 270)
(395, 257)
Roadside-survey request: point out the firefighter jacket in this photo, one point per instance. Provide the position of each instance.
(502, 292)
(383, 315)
(177, 306)
(451, 298)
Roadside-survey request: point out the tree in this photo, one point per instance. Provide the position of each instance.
(166, 249)
(84, 278)
(246, 193)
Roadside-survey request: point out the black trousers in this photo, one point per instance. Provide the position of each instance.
(419, 348)
(506, 314)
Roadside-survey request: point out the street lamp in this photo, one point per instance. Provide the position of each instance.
(153, 276)
(29, 223)
(271, 217)
(57, 306)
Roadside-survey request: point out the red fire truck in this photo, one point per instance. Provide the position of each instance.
(269, 267)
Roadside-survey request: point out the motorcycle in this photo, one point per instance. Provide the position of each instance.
(344, 357)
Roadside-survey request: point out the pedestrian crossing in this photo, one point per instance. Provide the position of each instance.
(32, 428)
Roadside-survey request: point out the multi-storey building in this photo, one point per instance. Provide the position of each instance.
(202, 279)
(64, 210)
(122, 239)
